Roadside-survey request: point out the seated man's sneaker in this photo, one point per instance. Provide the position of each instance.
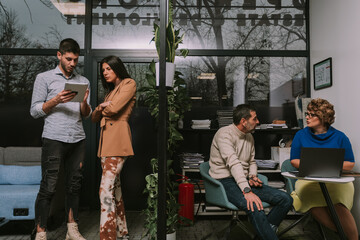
(274, 228)
(40, 236)
(73, 232)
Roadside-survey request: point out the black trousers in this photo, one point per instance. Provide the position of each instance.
(73, 156)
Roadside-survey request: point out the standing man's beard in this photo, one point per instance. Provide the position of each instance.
(68, 70)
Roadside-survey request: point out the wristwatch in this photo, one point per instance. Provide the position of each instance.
(247, 190)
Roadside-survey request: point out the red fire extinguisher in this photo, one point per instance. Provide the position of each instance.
(186, 199)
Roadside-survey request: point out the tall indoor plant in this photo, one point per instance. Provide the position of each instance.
(173, 39)
(178, 102)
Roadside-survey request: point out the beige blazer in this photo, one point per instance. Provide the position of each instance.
(115, 136)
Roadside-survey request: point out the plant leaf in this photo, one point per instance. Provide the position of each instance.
(184, 52)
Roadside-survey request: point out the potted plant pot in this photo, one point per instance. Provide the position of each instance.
(170, 73)
(171, 236)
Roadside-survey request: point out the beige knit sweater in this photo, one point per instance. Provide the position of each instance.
(232, 154)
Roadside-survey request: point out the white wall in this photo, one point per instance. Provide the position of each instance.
(335, 32)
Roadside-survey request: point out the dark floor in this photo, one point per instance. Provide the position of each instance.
(89, 227)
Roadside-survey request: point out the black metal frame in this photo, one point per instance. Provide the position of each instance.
(162, 134)
(90, 63)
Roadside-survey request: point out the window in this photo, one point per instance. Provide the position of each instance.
(247, 24)
(17, 78)
(119, 24)
(258, 80)
(137, 71)
(39, 24)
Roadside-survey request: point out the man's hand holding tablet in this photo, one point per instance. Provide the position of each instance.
(79, 89)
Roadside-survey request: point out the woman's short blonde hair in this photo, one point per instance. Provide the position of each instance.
(323, 110)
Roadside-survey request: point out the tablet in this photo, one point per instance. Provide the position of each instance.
(78, 88)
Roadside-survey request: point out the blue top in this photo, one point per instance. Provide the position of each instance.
(333, 138)
(64, 122)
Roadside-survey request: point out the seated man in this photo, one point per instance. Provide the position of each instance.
(232, 163)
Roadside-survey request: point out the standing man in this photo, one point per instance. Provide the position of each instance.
(63, 137)
(232, 163)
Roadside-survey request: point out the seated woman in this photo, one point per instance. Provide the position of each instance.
(307, 195)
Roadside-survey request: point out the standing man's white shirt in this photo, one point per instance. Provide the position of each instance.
(64, 122)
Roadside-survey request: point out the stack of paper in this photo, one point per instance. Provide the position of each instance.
(224, 117)
(201, 124)
(273, 125)
(266, 164)
(191, 160)
(276, 184)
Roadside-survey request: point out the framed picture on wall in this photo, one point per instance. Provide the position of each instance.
(323, 74)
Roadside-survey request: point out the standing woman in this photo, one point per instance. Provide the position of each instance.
(307, 195)
(114, 144)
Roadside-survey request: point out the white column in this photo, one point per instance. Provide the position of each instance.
(239, 86)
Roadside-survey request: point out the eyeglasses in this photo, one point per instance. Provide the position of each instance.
(310, 115)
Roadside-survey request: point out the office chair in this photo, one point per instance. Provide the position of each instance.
(215, 194)
(290, 187)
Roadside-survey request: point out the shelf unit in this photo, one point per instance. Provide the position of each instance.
(269, 171)
(199, 140)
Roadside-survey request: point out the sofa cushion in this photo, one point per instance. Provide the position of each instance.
(18, 197)
(27, 175)
(24, 156)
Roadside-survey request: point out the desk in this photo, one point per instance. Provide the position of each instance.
(325, 192)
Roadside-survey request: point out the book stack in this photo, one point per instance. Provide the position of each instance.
(198, 185)
(211, 208)
(201, 185)
(201, 124)
(274, 125)
(276, 184)
(224, 117)
(191, 160)
(266, 164)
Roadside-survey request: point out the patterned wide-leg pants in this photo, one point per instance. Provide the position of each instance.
(112, 216)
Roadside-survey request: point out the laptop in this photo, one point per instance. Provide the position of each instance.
(321, 162)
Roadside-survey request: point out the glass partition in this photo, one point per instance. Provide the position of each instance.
(269, 81)
(137, 71)
(17, 78)
(249, 24)
(120, 24)
(41, 24)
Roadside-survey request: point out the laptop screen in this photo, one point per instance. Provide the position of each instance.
(321, 162)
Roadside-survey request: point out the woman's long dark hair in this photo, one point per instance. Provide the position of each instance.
(117, 66)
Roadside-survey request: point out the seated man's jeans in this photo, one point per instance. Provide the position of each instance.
(280, 201)
(73, 156)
